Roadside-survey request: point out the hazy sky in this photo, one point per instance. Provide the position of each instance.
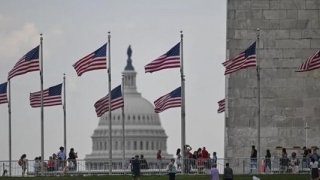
(74, 28)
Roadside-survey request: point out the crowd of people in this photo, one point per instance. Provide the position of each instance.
(199, 159)
(57, 162)
(309, 159)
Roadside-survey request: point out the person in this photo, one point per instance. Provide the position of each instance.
(172, 170)
(228, 173)
(267, 161)
(188, 159)
(4, 173)
(51, 164)
(284, 161)
(135, 168)
(37, 165)
(214, 158)
(61, 158)
(314, 169)
(143, 162)
(205, 157)
(73, 160)
(55, 159)
(214, 172)
(23, 162)
(159, 158)
(253, 158)
(294, 163)
(178, 154)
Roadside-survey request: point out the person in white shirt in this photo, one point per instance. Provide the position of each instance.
(61, 158)
(314, 169)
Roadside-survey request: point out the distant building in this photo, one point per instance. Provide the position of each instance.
(143, 131)
(289, 34)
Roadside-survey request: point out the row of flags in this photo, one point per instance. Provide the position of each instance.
(247, 59)
(95, 61)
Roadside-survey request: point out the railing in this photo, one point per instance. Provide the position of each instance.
(192, 166)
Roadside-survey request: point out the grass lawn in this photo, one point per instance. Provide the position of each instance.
(188, 177)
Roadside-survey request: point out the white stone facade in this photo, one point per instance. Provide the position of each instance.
(289, 34)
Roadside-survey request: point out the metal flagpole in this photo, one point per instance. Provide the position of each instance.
(110, 120)
(10, 144)
(258, 94)
(183, 112)
(306, 128)
(123, 130)
(64, 113)
(41, 86)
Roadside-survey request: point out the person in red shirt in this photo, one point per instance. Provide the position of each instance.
(204, 153)
(205, 157)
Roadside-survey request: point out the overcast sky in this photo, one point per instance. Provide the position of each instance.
(74, 28)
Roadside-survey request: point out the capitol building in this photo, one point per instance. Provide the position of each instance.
(144, 134)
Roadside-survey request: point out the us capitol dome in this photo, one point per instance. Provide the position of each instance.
(143, 131)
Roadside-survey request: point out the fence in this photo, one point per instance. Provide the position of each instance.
(192, 166)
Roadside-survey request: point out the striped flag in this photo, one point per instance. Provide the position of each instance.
(51, 97)
(102, 105)
(242, 61)
(94, 61)
(28, 63)
(3, 93)
(171, 59)
(171, 100)
(312, 63)
(221, 105)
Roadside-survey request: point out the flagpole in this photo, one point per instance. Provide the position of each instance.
(42, 114)
(64, 113)
(183, 112)
(123, 130)
(110, 120)
(10, 143)
(258, 94)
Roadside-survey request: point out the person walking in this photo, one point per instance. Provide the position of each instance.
(267, 161)
(214, 172)
(253, 159)
(172, 170)
(23, 162)
(314, 169)
(228, 173)
(135, 168)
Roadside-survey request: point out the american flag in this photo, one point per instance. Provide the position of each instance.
(3, 93)
(244, 60)
(94, 61)
(28, 63)
(51, 97)
(171, 100)
(221, 105)
(312, 63)
(171, 59)
(102, 105)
